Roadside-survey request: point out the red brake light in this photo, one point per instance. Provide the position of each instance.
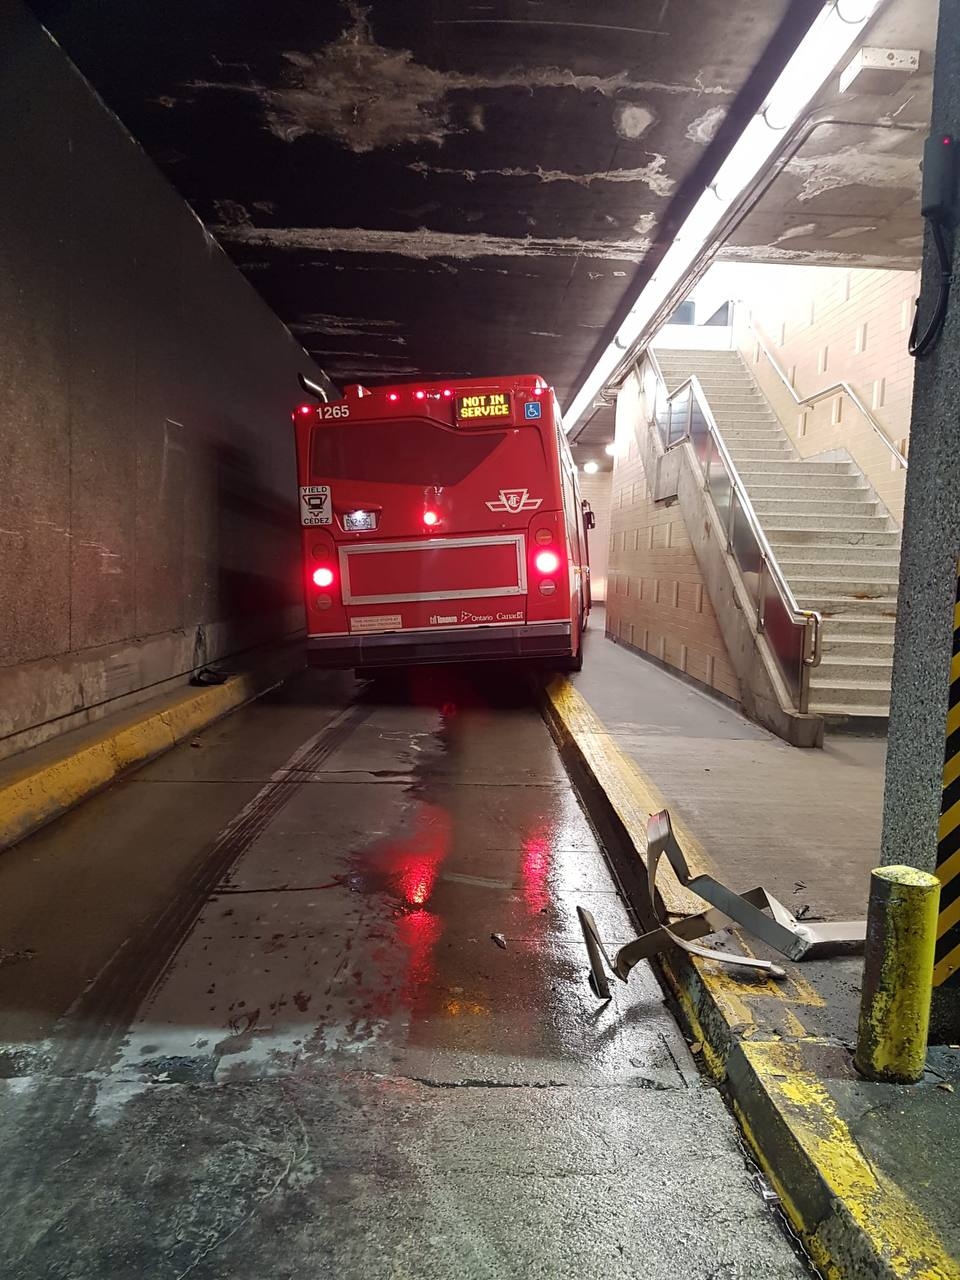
(430, 518)
(305, 408)
(547, 561)
(323, 577)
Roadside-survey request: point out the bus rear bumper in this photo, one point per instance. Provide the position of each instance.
(465, 644)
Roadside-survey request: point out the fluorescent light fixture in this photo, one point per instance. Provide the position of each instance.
(591, 467)
(834, 30)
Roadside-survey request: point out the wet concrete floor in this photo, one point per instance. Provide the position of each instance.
(306, 997)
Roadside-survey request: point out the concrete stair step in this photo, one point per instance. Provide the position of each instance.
(768, 484)
(820, 586)
(723, 380)
(730, 409)
(840, 711)
(819, 555)
(844, 627)
(733, 426)
(824, 524)
(770, 453)
(697, 356)
(852, 571)
(820, 507)
(847, 647)
(813, 492)
(877, 534)
(745, 440)
(849, 693)
(832, 606)
(811, 469)
(846, 666)
(750, 438)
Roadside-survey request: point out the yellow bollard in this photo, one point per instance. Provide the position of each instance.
(897, 974)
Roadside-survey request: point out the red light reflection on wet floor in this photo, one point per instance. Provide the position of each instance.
(535, 870)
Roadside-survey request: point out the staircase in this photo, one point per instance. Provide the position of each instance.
(835, 542)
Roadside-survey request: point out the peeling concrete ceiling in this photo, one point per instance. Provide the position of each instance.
(849, 193)
(432, 188)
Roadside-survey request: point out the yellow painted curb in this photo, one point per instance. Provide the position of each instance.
(38, 794)
(868, 1216)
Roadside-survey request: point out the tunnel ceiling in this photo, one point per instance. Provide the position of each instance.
(433, 188)
(849, 192)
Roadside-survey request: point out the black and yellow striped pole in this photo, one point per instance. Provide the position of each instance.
(946, 966)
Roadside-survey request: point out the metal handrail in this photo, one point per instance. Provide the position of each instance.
(809, 619)
(825, 394)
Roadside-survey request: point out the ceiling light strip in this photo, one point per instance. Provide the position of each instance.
(830, 36)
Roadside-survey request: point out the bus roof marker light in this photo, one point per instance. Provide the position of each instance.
(829, 37)
(419, 395)
(393, 397)
(305, 408)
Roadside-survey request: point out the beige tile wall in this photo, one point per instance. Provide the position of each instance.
(828, 324)
(596, 490)
(656, 595)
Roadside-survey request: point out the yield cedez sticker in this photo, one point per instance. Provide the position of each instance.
(316, 504)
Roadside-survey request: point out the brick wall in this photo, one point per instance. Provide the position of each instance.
(656, 596)
(596, 490)
(824, 325)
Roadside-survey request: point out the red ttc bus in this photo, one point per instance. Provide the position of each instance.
(442, 522)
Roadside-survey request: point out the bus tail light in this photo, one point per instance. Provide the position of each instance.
(547, 562)
(323, 576)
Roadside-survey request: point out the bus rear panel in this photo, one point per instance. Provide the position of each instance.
(437, 526)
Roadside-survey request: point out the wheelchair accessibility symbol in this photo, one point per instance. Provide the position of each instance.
(532, 409)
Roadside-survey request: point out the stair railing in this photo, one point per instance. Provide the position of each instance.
(827, 393)
(794, 634)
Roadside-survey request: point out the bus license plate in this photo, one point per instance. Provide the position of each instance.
(355, 521)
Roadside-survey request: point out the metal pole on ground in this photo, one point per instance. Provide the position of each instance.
(897, 974)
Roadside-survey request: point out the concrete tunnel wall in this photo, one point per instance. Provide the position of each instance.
(149, 520)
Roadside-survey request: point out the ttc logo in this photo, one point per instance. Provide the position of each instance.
(532, 409)
(514, 500)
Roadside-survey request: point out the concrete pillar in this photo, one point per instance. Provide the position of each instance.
(928, 572)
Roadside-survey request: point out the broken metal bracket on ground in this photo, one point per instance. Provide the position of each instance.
(779, 929)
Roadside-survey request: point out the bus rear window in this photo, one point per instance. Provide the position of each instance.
(399, 452)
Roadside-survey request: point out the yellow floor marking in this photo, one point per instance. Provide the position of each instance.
(948, 869)
(949, 821)
(895, 1227)
(34, 795)
(953, 720)
(948, 917)
(946, 967)
(951, 770)
(634, 797)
